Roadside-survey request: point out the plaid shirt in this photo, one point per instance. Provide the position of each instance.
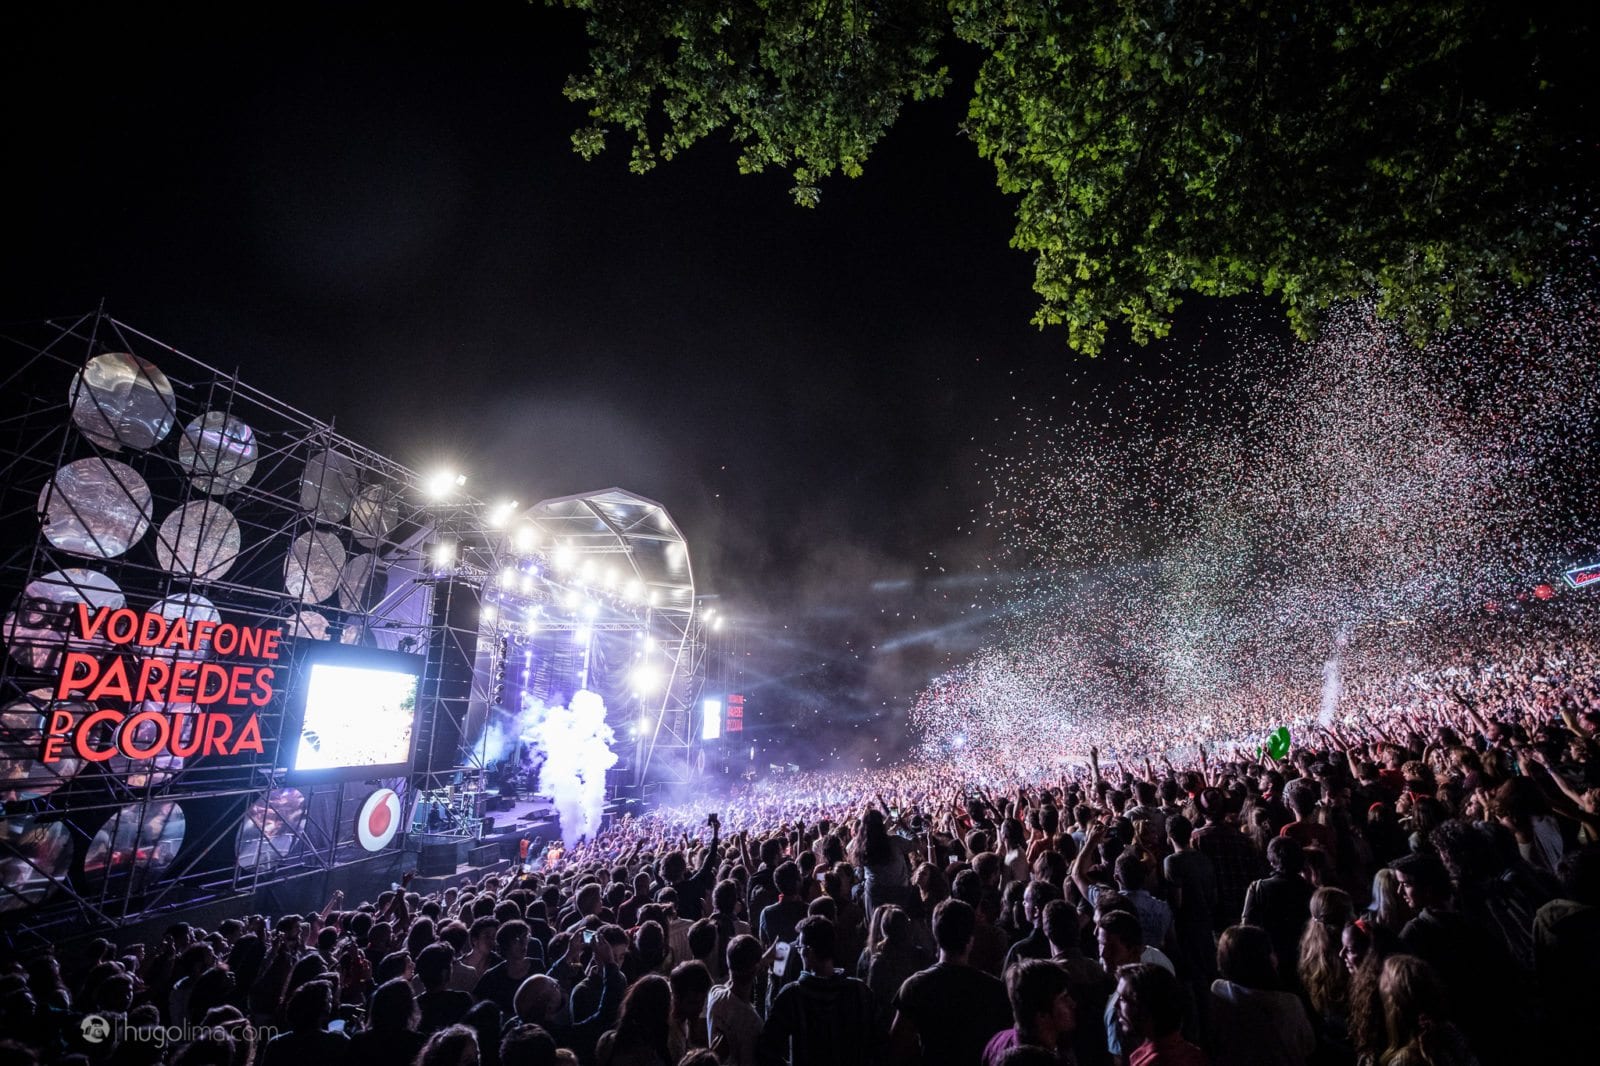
(1237, 864)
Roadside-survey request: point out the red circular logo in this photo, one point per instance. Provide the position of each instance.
(379, 819)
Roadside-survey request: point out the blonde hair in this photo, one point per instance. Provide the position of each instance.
(1414, 1008)
(1322, 972)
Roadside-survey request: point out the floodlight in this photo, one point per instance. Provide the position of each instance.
(646, 679)
(441, 483)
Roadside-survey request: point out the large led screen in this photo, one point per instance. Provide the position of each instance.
(359, 713)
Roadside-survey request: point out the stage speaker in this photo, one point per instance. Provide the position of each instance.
(439, 860)
(446, 690)
(484, 855)
(488, 826)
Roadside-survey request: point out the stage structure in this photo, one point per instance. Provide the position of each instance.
(201, 587)
(611, 609)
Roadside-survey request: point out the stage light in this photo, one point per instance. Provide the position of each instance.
(716, 625)
(591, 609)
(709, 613)
(501, 513)
(582, 634)
(564, 557)
(487, 613)
(508, 577)
(646, 679)
(649, 643)
(586, 569)
(443, 482)
(572, 600)
(527, 538)
(527, 583)
(635, 590)
(444, 554)
(655, 597)
(646, 723)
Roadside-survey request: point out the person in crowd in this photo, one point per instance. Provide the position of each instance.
(1280, 903)
(455, 1045)
(1043, 1009)
(1233, 857)
(1417, 1017)
(1149, 1017)
(1155, 917)
(778, 925)
(896, 957)
(885, 858)
(1321, 969)
(947, 1013)
(1192, 890)
(440, 1005)
(644, 1027)
(691, 984)
(1471, 961)
(1034, 944)
(500, 982)
(825, 1016)
(733, 1025)
(1120, 939)
(308, 1039)
(391, 1034)
(1251, 1020)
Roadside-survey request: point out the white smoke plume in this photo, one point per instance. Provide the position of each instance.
(577, 746)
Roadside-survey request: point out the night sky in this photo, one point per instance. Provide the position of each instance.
(375, 213)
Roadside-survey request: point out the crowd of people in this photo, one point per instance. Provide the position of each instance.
(1415, 883)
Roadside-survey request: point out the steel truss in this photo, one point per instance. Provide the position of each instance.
(440, 587)
(290, 494)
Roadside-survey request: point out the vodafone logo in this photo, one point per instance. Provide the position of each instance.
(379, 819)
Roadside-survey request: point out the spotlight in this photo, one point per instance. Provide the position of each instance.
(501, 513)
(564, 557)
(508, 577)
(444, 554)
(441, 483)
(527, 538)
(635, 590)
(646, 679)
(611, 578)
(716, 625)
(591, 609)
(487, 613)
(572, 601)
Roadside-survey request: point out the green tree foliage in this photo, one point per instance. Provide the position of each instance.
(1313, 150)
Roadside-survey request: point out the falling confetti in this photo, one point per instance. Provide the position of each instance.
(1182, 560)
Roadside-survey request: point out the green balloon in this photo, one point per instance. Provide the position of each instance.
(1278, 742)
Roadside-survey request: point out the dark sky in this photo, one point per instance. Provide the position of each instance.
(374, 212)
